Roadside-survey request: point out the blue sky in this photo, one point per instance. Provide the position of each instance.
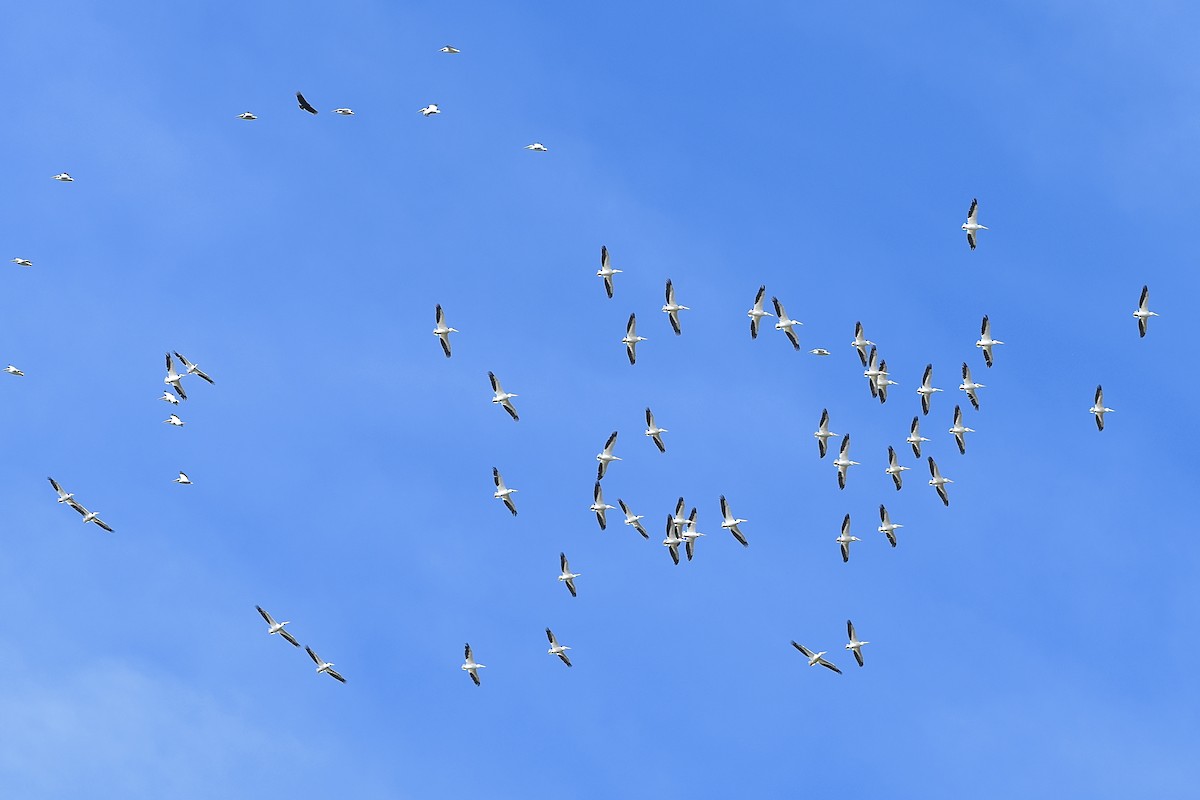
(1032, 637)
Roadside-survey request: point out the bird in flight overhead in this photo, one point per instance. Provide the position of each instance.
(631, 339)
(277, 627)
(62, 176)
(927, 389)
(606, 457)
(344, 112)
(22, 262)
(304, 105)
(324, 666)
(886, 526)
(631, 519)
(537, 147)
(786, 323)
(90, 516)
(844, 539)
(429, 110)
(192, 369)
(843, 462)
(756, 312)
(860, 343)
(914, 436)
(854, 645)
(470, 666)
(972, 226)
(672, 309)
(11, 370)
(606, 272)
(986, 342)
(449, 49)
(502, 397)
(822, 433)
(442, 331)
(557, 649)
(503, 492)
(567, 576)
(174, 420)
(63, 495)
(673, 539)
(655, 432)
(183, 479)
(174, 379)
(816, 658)
(894, 469)
(969, 386)
(1143, 312)
(170, 398)
(960, 431)
(1098, 408)
(730, 523)
(246, 115)
(599, 506)
(938, 482)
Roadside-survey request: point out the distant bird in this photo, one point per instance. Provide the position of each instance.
(22, 262)
(606, 272)
(860, 343)
(815, 658)
(914, 436)
(192, 369)
(90, 516)
(11, 370)
(304, 106)
(567, 576)
(246, 115)
(537, 147)
(63, 495)
(986, 342)
(894, 469)
(183, 479)
(972, 226)
(844, 539)
(631, 338)
(926, 389)
(442, 331)
(678, 519)
(959, 430)
(631, 519)
(1099, 409)
(170, 398)
(969, 386)
(843, 462)
(599, 506)
(730, 523)
(655, 432)
(429, 110)
(938, 482)
(345, 112)
(606, 457)
(871, 373)
(174, 420)
(556, 649)
(882, 381)
(324, 666)
(62, 176)
(449, 49)
(503, 492)
(822, 433)
(756, 312)
(470, 666)
(174, 379)
(672, 309)
(819, 351)
(1143, 313)
(277, 627)
(854, 645)
(786, 323)
(502, 397)
(886, 526)
(673, 539)
(690, 535)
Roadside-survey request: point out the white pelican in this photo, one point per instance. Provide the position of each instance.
(986, 342)
(882, 381)
(567, 576)
(631, 519)
(442, 331)
(502, 397)
(63, 495)
(822, 433)
(786, 323)
(90, 516)
(556, 649)
(1099, 409)
(277, 627)
(174, 379)
(844, 539)
(690, 535)
(938, 482)
(819, 351)
(170, 398)
(894, 469)
(843, 462)
(22, 262)
(192, 369)
(537, 147)
(1143, 313)
(449, 49)
(246, 115)
(971, 226)
(815, 658)
(606, 457)
(304, 104)
(655, 432)
(11, 370)
(871, 373)
(730, 523)
(959, 430)
(631, 338)
(854, 645)
(606, 272)
(678, 519)
(345, 112)
(599, 506)
(969, 386)
(429, 110)
(324, 666)
(756, 312)
(914, 436)
(672, 309)
(886, 526)
(470, 666)
(183, 479)
(673, 539)
(62, 176)
(860, 343)
(926, 389)
(174, 420)
(503, 492)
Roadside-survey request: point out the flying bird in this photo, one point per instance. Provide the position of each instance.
(606, 457)
(959, 430)
(986, 342)
(730, 523)
(192, 369)
(672, 309)
(503, 492)
(894, 469)
(304, 106)
(854, 645)
(914, 436)
(606, 272)
(631, 339)
(673, 539)
(820, 351)
(324, 666)
(843, 462)
(786, 323)
(62, 176)
(174, 379)
(882, 381)
(926, 389)
(567, 576)
(938, 482)
(871, 373)
(969, 386)
(429, 110)
(655, 432)
(442, 331)
(678, 520)
(537, 147)
(556, 649)
(972, 226)
(174, 420)
(860, 343)
(599, 506)
(815, 658)
(246, 115)
(844, 539)
(277, 627)
(502, 397)
(22, 262)
(1143, 313)
(756, 312)
(344, 112)
(690, 535)
(470, 666)
(183, 479)
(11, 370)
(170, 398)
(90, 516)
(449, 49)
(886, 526)
(632, 519)
(63, 495)
(1099, 409)
(822, 433)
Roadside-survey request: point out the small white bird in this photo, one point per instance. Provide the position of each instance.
(192, 369)
(429, 110)
(11, 370)
(678, 519)
(606, 271)
(174, 420)
(22, 262)
(860, 343)
(655, 432)
(844, 539)
(871, 373)
(442, 331)
(690, 535)
(63, 495)
(183, 479)
(170, 398)
(938, 482)
(822, 433)
(1142, 314)
(926, 389)
(633, 520)
(672, 309)
(64, 177)
(345, 112)
(599, 506)
(986, 342)
(882, 381)
(971, 226)
(324, 666)
(503, 492)
(631, 338)
(90, 516)
(673, 539)
(914, 436)
(894, 469)
(969, 386)
(606, 457)
(470, 666)
(277, 627)
(449, 49)
(819, 351)
(756, 312)
(843, 462)
(246, 115)
(567, 576)
(1099, 409)
(537, 147)
(786, 323)
(556, 649)
(174, 379)
(886, 526)
(854, 645)
(959, 430)
(815, 658)
(502, 397)
(730, 523)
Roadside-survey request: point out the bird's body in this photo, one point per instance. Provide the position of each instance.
(599, 506)
(756, 311)
(429, 110)
(606, 457)
(1098, 408)
(174, 420)
(503, 492)
(567, 576)
(274, 627)
(672, 308)
(502, 397)
(822, 433)
(972, 226)
(926, 389)
(844, 539)
(938, 482)
(786, 323)
(986, 342)
(730, 523)
(470, 666)
(344, 112)
(631, 339)
(960, 431)
(970, 386)
(537, 147)
(815, 659)
(324, 666)
(914, 436)
(606, 272)
(63, 177)
(442, 330)
(246, 115)
(22, 262)
(183, 479)
(1143, 312)
(557, 649)
(11, 370)
(843, 462)
(894, 469)
(655, 432)
(170, 398)
(854, 645)
(886, 526)
(632, 520)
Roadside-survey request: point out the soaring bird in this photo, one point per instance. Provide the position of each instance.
(599, 506)
(844, 539)
(914, 436)
(90, 516)
(1143, 312)
(469, 665)
(871, 373)
(429, 110)
(823, 434)
(606, 272)
(756, 312)
(183, 479)
(672, 309)
(927, 389)
(938, 482)
(843, 462)
(631, 519)
(960, 431)
(1099, 409)
(690, 535)
(170, 398)
(786, 323)
(324, 666)
(192, 369)
(503, 492)
(730, 523)
(894, 469)
(449, 49)
(886, 526)
(304, 106)
(277, 627)
(174, 420)
(174, 379)
(972, 226)
(63, 495)
(567, 576)
(820, 351)
(62, 176)
(986, 342)
(344, 112)
(815, 658)
(246, 115)
(854, 645)
(556, 649)
(502, 397)
(882, 381)
(631, 339)
(11, 370)
(537, 147)
(606, 457)
(655, 432)
(969, 386)
(860, 343)
(673, 539)
(442, 331)
(22, 262)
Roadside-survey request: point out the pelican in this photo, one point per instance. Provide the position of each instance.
(894, 469)
(914, 436)
(324, 666)
(22, 262)
(442, 331)
(556, 649)
(634, 520)
(62, 176)
(63, 495)
(938, 482)
(90, 516)
(926, 389)
(969, 386)
(503, 492)
(1099, 409)
(986, 342)
(819, 351)
(599, 506)
(170, 398)
(882, 381)
(1143, 313)
(537, 147)
(192, 369)
(672, 309)
(631, 338)
(174, 379)
(567, 576)
(304, 104)
(470, 666)
(673, 539)
(690, 535)
(654, 432)
(886, 526)
(606, 457)
(183, 479)
(174, 420)
(429, 110)
(502, 397)
(730, 523)
(678, 520)
(449, 49)
(822, 433)
(756, 312)
(606, 272)
(246, 115)
(971, 226)
(11, 370)
(860, 343)
(844, 539)
(277, 627)
(854, 645)
(345, 112)
(843, 461)
(815, 658)
(871, 373)
(959, 430)
(786, 323)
